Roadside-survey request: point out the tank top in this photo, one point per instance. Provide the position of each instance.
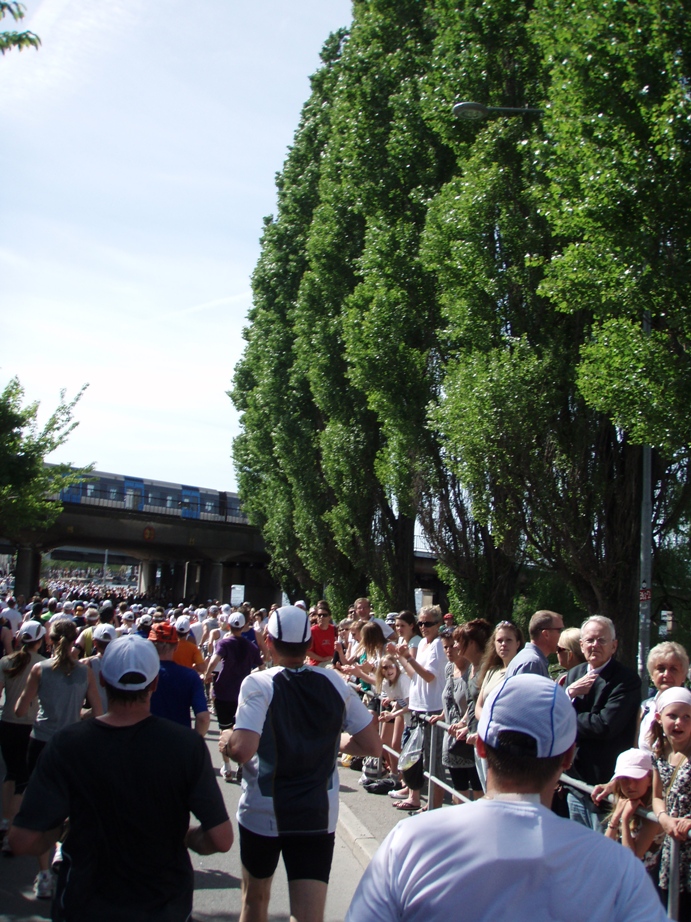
(60, 698)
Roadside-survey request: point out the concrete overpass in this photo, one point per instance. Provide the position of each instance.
(189, 542)
(198, 542)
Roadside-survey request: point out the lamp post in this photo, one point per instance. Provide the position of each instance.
(476, 112)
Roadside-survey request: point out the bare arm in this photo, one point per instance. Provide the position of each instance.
(261, 643)
(32, 842)
(365, 743)
(92, 695)
(239, 745)
(646, 834)
(6, 636)
(412, 666)
(213, 662)
(201, 724)
(210, 841)
(21, 708)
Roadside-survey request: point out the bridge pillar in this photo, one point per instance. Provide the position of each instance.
(27, 572)
(179, 581)
(211, 582)
(166, 580)
(147, 576)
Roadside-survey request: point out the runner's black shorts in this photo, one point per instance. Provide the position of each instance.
(306, 857)
(225, 713)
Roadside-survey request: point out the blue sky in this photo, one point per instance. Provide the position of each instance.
(141, 143)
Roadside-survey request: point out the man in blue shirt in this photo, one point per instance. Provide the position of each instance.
(179, 688)
(544, 630)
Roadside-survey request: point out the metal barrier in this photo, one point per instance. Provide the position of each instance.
(435, 781)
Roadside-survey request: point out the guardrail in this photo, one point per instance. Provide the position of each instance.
(435, 781)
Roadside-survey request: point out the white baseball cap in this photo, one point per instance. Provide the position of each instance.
(290, 624)
(130, 654)
(533, 705)
(104, 632)
(237, 620)
(182, 625)
(31, 631)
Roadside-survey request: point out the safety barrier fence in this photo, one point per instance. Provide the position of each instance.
(434, 780)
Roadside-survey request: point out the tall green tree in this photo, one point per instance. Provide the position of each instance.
(277, 455)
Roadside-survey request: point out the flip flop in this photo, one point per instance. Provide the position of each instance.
(398, 795)
(406, 805)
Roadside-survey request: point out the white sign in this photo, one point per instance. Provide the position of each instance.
(237, 595)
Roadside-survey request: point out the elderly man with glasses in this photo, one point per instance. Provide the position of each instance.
(427, 674)
(606, 697)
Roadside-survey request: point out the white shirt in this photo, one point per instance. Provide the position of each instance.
(501, 861)
(256, 809)
(427, 696)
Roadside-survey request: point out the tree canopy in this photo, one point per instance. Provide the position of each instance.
(475, 326)
(12, 39)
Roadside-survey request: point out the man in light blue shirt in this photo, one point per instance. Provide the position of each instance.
(544, 630)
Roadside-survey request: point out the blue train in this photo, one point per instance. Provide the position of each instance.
(155, 496)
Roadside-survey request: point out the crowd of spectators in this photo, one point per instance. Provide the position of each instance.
(411, 673)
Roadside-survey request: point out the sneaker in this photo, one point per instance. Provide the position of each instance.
(226, 773)
(44, 885)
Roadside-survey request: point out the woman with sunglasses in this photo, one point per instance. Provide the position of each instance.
(427, 675)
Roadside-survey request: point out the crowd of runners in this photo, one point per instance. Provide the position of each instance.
(386, 681)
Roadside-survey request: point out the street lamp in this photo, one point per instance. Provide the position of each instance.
(476, 112)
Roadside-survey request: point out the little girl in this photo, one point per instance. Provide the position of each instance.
(393, 688)
(633, 788)
(672, 789)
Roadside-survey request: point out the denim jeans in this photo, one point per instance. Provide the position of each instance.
(582, 810)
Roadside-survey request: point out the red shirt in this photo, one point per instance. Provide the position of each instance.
(323, 642)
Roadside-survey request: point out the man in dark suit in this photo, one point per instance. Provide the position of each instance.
(606, 697)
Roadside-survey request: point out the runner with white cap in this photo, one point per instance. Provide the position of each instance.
(287, 733)
(125, 853)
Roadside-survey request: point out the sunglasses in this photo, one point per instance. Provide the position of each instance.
(427, 623)
(562, 650)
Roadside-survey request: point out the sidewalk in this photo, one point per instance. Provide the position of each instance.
(365, 819)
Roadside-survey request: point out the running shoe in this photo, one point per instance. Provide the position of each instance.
(44, 885)
(226, 773)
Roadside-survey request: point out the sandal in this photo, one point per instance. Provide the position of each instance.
(399, 795)
(406, 805)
